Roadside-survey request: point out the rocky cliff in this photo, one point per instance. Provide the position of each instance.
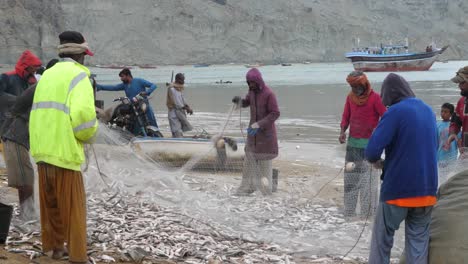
(223, 31)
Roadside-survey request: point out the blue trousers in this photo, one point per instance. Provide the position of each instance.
(150, 116)
(387, 221)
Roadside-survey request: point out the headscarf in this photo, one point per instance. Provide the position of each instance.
(178, 86)
(26, 60)
(394, 89)
(73, 48)
(254, 75)
(357, 78)
(73, 42)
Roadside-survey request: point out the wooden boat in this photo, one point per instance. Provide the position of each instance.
(113, 66)
(147, 66)
(393, 58)
(256, 65)
(201, 65)
(202, 153)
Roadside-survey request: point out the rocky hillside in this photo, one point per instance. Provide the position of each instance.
(223, 31)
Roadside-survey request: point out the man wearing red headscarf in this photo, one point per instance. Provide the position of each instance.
(12, 85)
(362, 111)
(14, 82)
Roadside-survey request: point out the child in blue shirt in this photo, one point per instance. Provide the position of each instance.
(446, 156)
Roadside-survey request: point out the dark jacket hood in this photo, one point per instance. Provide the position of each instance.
(394, 89)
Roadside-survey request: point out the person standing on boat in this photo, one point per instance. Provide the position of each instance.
(19, 168)
(362, 111)
(408, 134)
(177, 107)
(262, 144)
(132, 87)
(459, 120)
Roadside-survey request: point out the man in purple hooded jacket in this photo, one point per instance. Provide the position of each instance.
(262, 144)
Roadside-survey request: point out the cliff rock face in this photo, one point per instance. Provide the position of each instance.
(223, 31)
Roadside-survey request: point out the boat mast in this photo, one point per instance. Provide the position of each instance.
(406, 44)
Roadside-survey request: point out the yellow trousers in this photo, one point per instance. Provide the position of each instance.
(63, 210)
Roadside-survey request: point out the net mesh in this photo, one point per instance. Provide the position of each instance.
(306, 207)
(290, 200)
(214, 185)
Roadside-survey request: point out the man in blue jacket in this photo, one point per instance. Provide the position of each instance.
(132, 87)
(408, 134)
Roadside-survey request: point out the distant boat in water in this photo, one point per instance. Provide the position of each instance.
(393, 58)
(286, 64)
(256, 65)
(113, 66)
(200, 65)
(147, 66)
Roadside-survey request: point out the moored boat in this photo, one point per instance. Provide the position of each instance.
(201, 65)
(393, 58)
(202, 153)
(147, 66)
(113, 66)
(256, 65)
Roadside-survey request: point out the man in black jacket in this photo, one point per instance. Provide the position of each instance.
(19, 168)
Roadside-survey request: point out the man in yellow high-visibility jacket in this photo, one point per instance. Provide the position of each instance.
(62, 119)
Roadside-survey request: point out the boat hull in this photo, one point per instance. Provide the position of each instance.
(397, 62)
(394, 66)
(198, 153)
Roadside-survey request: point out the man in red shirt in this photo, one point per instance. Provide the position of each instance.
(362, 111)
(460, 118)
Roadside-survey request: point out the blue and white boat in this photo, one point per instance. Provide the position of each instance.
(393, 58)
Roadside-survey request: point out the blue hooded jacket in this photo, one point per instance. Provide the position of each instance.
(408, 133)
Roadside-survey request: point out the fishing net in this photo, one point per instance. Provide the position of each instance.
(307, 208)
(361, 181)
(185, 198)
(288, 201)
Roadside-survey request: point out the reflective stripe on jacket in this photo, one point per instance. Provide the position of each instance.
(63, 116)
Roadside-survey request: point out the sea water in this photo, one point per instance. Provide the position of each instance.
(310, 96)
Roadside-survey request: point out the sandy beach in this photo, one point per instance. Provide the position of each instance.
(300, 223)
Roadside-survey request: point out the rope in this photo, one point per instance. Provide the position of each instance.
(328, 182)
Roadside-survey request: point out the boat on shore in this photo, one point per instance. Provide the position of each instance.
(393, 58)
(202, 153)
